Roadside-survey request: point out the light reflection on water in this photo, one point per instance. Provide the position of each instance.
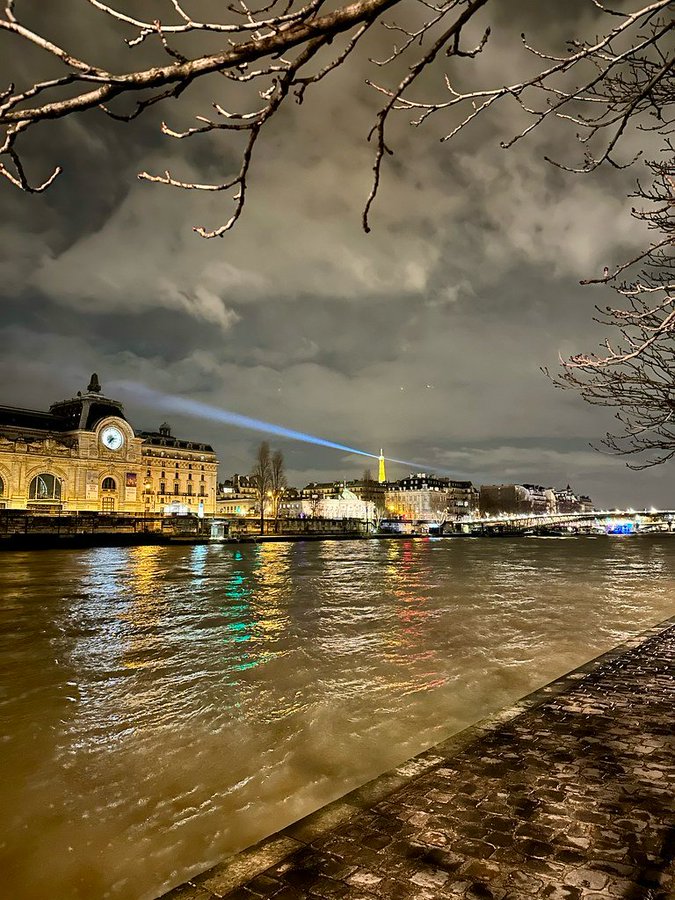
(163, 707)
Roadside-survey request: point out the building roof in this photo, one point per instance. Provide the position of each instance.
(161, 439)
(82, 413)
(19, 420)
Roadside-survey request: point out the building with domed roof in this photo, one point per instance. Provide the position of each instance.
(84, 455)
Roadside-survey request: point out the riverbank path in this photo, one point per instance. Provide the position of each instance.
(569, 795)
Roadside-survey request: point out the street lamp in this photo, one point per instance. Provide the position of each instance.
(147, 494)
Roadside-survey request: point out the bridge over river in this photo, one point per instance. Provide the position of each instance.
(617, 521)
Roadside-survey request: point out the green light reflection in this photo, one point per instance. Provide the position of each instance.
(255, 618)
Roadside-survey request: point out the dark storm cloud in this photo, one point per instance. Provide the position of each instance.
(425, 337)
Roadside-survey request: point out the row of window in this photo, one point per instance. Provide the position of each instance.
(177, 491)
(149, 471)
(177, 475)
(172, 442)
(49, 487)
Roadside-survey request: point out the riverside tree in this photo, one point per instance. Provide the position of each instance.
(278, 481)
(261, 478)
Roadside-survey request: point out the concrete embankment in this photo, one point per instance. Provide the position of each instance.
(50, 540)
(568, 795)
(21, 530)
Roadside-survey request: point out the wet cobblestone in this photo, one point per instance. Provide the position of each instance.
(571, 799)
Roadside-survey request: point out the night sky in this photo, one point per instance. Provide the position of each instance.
(425, 337)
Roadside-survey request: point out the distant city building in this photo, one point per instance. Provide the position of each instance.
(338, 504)
(541, 499)
(83, 455)
(369, 490)
(463, 498)
(566, 500)
(241, 485)
(504, 498)
(321, 489)
(530, 498)
(422, 497)
(236, 497)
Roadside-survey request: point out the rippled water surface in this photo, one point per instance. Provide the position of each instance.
(162, 707)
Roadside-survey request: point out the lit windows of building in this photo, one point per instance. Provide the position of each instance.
(84, 455)
(428, 498)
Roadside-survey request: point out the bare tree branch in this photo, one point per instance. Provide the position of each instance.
(634, 373)
(601, 87)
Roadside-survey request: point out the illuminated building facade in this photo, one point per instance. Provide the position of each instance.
(430, 498)
(322, 489)
(237, 496)
(369, 490)
(516, 498)
(541, 499)
(568, 502)
(341, 504)
(586, 504)
(83, 455)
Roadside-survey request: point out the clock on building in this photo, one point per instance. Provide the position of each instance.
(112, 437)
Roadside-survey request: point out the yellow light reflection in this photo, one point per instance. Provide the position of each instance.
(146, 609)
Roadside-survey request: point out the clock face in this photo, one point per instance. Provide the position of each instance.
(112, 437)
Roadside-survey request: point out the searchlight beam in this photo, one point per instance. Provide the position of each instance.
(200, 410)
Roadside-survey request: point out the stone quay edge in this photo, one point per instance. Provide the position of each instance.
(566, 795)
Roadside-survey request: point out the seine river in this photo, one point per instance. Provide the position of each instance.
(163, 707)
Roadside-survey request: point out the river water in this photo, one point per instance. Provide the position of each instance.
(163, 707)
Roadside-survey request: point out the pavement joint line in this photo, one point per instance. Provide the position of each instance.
(225, 878)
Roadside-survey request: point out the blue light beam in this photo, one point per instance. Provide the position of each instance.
(205, 411)
(200, 410)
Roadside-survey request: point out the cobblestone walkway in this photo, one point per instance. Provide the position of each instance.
(571, 798)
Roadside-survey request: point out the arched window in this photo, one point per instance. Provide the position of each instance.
(109, 484)
(45, 487)
(2, 487)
